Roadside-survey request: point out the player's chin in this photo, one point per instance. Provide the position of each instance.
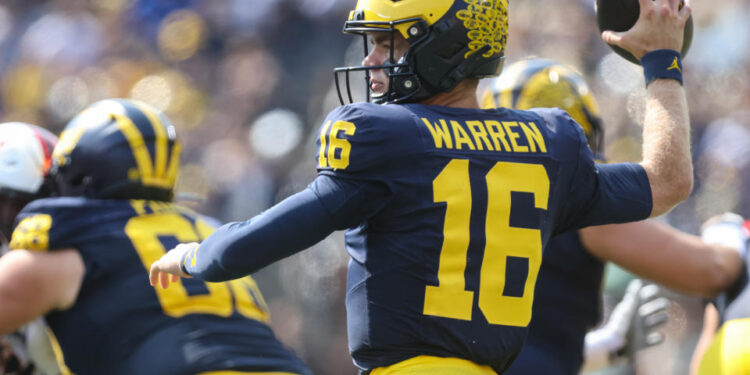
(378, 89)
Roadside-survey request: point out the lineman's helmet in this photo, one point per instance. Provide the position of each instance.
(117, 149)
(541, 83)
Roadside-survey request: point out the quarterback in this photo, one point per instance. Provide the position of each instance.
(447, 206)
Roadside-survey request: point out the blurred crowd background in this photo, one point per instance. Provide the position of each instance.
(247, 83)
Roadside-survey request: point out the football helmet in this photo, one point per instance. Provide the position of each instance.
(25, 159)
(117, 149)
(541, 83)
(449, 40)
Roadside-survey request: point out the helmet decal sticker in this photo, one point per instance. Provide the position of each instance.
(487, 22)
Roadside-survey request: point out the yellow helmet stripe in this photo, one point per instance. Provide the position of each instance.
(174, 165)
(137, 146)
(378, 10)
(161, 140)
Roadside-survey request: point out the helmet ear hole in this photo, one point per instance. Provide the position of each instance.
(450, 51)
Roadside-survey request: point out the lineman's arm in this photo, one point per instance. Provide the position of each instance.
(660, 253)
(666, 133)
(33, 283)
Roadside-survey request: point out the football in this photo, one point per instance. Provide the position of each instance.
(621, 15)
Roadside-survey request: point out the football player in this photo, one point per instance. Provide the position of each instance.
(25, 159)
(448, 206)
(724, 347)
(82, 260)
(570, 277)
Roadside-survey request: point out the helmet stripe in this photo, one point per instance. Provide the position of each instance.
(174, 165)
(46, 149)
(137, 146)
(161, 143)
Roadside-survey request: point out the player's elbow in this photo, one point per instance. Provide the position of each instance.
(670, 191)
(682, 187)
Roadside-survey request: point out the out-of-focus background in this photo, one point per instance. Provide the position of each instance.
(247, 83)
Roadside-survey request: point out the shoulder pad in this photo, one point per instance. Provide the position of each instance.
(356, 137)
(55, 223)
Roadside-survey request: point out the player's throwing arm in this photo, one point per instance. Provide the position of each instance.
(655, 40)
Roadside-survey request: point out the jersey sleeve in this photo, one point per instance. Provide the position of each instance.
(298, 222)
(45, 225)
(603, 193)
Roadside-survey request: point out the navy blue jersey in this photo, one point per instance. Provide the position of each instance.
(566, 306)
(446, 261)
(119, 324)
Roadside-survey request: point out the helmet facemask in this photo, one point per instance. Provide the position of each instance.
(403, 82)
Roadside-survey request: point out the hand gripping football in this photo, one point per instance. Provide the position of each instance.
(621, 15)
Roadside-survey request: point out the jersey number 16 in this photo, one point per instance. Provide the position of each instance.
(450, 299)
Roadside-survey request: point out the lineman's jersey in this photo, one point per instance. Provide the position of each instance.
(119, 324)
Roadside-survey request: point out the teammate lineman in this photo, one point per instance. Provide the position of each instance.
(570, 278)
(448, 206)
(82, 261)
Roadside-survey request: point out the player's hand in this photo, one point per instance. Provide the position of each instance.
(169, 266)
(660, 25)
(727, 229)
(614, 340)
(649, 317)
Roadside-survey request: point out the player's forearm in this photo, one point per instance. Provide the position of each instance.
(662, 254)
(725, 269)
(666, 145)
(699, 268)
(239, 249)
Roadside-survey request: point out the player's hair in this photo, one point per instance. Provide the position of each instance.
(542, 83)
(449, 41)
(117, 149)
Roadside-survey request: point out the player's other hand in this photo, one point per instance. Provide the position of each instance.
(650, 316)
(660, 25)
(169, 266)
(727, 229)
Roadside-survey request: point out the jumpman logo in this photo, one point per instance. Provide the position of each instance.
(675, 65)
